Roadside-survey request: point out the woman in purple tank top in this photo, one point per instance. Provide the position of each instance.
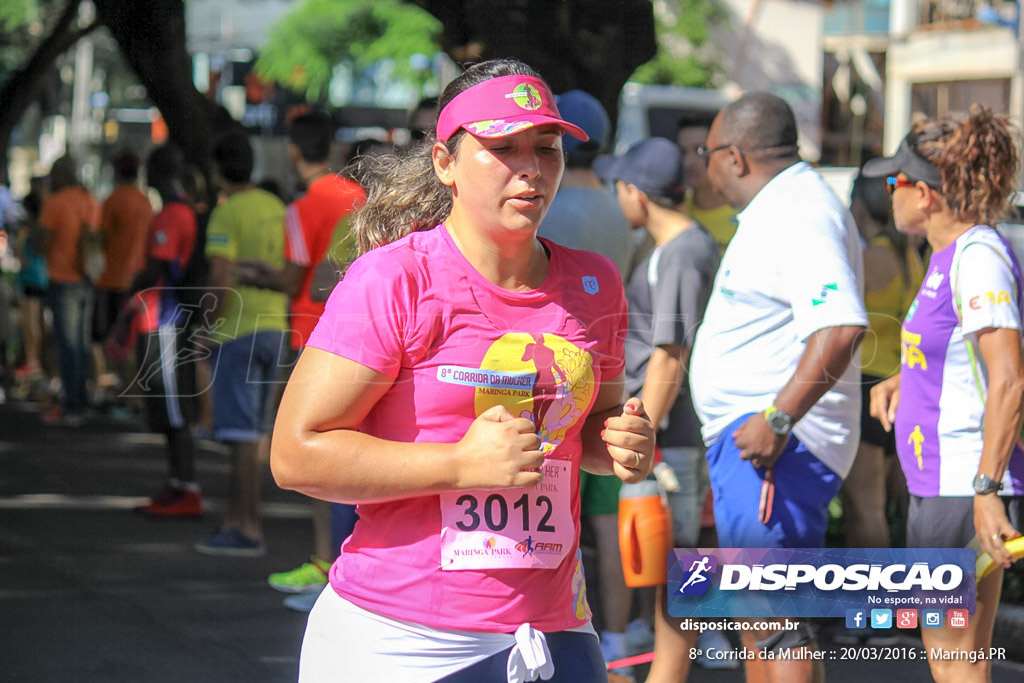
(957, 433)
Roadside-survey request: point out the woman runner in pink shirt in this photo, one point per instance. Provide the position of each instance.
(462, 375)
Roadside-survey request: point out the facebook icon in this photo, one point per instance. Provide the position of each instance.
(856, 618)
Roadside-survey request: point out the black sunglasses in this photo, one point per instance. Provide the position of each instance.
(704, 154)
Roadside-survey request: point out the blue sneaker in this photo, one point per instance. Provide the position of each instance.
(639, 637)
(230, 543)
(302, 602)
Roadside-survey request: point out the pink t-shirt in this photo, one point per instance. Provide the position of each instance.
(457, 345)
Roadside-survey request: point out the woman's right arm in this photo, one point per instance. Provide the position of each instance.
(885, 398)
(317, 450)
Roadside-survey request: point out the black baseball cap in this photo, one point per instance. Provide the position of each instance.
(654, 165)
(905, 161)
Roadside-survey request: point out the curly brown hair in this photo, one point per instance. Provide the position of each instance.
(403, 194)
(977, 158)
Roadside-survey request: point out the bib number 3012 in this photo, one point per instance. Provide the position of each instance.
(495, 512)
(509, 528)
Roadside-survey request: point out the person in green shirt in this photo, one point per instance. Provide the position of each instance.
(246, 332)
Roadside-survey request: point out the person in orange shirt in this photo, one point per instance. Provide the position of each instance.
(66, 215)
(309, 225)
(124, 224)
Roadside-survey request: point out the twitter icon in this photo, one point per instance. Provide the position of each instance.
(881, 618)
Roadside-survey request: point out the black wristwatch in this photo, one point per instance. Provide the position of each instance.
(779, 421)
(984, 485)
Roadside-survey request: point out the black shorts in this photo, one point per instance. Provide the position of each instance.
(166, 379)
(871, 430)
(107, 304)
(33, 292)
(948, 521)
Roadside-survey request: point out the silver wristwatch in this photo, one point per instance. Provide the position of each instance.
(779, 421)
(983, 485)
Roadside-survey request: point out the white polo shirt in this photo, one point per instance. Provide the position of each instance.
(793, 268)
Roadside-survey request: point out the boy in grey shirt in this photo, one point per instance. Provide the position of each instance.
(667, 294)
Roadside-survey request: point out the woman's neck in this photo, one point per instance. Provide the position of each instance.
(516, 264)
(943, 229)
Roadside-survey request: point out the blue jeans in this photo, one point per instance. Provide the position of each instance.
(71, 304)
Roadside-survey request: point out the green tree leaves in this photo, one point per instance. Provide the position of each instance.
(685, 55)
(305, 46)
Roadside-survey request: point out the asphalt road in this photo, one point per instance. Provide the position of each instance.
(91, 592)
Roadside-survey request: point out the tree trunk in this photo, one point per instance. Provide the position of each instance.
(593, 45)
(151, 36)
(21, 88)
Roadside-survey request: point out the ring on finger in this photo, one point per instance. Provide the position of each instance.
(998, 538)
(636, 463)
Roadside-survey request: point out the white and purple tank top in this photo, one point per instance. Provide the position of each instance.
(943, 381)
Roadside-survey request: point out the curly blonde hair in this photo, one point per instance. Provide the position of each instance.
(977, 158)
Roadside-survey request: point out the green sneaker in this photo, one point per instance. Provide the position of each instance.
(310, 576)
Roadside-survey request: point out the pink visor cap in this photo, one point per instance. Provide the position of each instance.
(512, 103)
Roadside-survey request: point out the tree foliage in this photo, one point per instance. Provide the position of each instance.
(304, 47)
(685, 54)
(593, 45)
(23, 25)
(16, 13)
(21, 84)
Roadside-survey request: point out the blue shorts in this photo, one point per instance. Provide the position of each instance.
(804, 486)
(246, 373)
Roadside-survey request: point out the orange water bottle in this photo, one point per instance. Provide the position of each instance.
(645, 534)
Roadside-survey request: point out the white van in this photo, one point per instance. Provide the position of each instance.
(655, 110)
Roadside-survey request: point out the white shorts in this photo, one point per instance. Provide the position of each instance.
(344, 642)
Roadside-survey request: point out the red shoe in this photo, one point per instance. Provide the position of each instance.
(58, 417)
(53, 415)
(28, 371)
(166, 496)
(174, 503)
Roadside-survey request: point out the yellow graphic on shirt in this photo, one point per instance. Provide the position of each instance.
(550, 382)
(910, 351)
(989, 299)
(917, 438)
(579, 590)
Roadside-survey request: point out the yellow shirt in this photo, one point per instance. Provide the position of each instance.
(249, 225)
(880, 349)
(719, 221)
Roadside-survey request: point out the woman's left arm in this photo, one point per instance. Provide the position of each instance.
(1004, 411)
(618, 439)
